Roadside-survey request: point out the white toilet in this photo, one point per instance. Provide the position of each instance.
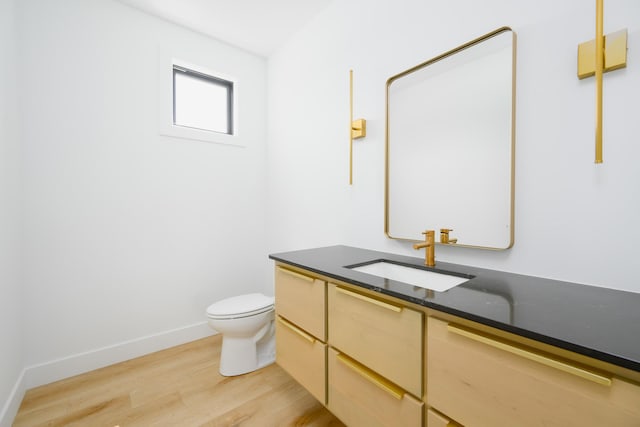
(246, 323)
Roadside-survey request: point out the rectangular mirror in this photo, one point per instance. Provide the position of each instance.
(450, 145)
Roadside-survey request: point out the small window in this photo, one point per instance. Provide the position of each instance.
(201, 101)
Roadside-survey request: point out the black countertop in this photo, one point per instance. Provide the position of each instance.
(596, 322)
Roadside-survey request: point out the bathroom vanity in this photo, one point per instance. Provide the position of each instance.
(500, 349)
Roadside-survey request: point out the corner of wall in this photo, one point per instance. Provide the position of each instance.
(11, 406)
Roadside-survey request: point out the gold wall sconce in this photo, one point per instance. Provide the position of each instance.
(595, 57)
(357, 128)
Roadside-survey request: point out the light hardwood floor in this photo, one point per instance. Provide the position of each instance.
(179, 386)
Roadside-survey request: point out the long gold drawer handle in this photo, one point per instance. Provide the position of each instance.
(544, 360)
(297, 330)
(297, 275)
(382, 304)
(372, 377)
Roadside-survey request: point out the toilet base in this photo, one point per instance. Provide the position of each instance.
(243, 355)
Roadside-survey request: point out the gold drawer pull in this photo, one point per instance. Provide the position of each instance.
(544, 360)
(372, 377)
(297, 275)
(379, 303)
(297, 330)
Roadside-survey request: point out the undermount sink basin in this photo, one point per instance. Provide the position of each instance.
(412, 275)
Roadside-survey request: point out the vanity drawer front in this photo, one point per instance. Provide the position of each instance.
(434, 419)
(482, 380)
(300, 298)
(383, 336)
(360, 397)
(302, 356)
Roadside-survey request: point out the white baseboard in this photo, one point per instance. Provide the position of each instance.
(45, 373)
(69, 366)
(11, 406)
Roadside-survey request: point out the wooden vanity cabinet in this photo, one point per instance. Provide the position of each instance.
(481, 379)
(377, 361)
(301, 328)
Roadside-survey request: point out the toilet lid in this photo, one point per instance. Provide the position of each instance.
(242, 305)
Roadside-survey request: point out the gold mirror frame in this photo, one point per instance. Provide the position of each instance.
(423, 188)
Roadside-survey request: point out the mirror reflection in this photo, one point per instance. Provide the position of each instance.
(450, 145)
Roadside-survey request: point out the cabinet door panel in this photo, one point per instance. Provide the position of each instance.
(300, 298)
(385, 337)
(360, 397)
(302, 356)
(479, 379)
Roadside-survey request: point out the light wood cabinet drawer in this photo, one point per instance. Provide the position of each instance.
(360, 397)
(482, 380)
(302, 356)
(381, 335)
(300, 298)
(435, 419)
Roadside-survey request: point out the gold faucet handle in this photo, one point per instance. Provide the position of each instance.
(429, 236)
(444, 236)
(429, 240)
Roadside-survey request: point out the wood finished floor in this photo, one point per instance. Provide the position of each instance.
(179, 386)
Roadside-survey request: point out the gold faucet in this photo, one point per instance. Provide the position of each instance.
(444, 236)
(430, 244)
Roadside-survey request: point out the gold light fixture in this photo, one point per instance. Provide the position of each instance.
(357, 128)
(595, 57)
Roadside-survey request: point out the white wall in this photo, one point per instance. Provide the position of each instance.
(575, 221)
(129, 234)
(11, 294)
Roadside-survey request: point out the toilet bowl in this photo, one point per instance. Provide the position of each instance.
(246, 323)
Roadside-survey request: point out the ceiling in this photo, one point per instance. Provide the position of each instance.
(259, 26)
